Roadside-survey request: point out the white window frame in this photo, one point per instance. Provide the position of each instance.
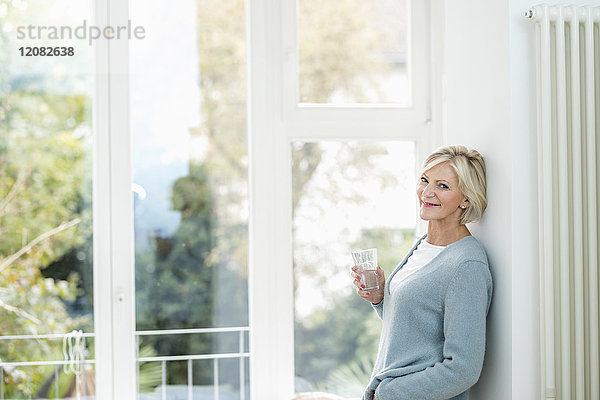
(275, 121)
(114, 294)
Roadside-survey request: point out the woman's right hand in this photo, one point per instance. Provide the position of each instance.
(373, 296)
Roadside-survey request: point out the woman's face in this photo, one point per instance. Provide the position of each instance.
(440, 199)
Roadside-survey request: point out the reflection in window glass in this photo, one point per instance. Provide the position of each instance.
(188, 121)
(45, 198)
(354, 51)
(346, 196)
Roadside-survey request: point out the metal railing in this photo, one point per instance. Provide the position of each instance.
(241, 355)
(58, 364)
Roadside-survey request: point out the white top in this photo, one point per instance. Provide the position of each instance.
(422, 255)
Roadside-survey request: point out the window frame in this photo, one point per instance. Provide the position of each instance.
(114, 292)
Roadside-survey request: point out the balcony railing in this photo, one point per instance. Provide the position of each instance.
(241, 355)
(58, 364)
(162, 392)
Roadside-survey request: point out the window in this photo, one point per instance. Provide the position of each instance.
(190, 177)
(354, 52)
(195, 163)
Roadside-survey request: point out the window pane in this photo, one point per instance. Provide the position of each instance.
(346, 196)
(45, 197)
(354, 51)
(188, 121)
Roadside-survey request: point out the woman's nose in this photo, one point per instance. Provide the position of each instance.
(428, 191)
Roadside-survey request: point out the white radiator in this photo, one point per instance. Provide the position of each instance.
(568, 97)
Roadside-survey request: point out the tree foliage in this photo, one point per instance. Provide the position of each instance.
(340, 46)
(43, 218)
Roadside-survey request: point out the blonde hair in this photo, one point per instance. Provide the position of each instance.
(470, 169)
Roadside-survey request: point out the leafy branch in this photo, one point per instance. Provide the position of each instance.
(14, 190)
(25, 249)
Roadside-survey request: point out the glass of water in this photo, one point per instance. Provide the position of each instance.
(366, 261)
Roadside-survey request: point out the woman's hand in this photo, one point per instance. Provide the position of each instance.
(373, 296)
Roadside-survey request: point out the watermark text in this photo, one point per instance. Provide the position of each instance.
(83, 31)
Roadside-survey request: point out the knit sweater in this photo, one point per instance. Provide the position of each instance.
(433, 336)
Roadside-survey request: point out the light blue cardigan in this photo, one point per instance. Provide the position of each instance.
(433, 337)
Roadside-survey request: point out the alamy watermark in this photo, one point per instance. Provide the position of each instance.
(83, 31)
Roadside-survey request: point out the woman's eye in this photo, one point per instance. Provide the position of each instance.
(444, 186)
(423, 179)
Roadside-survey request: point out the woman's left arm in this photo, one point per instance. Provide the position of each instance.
(465, 309)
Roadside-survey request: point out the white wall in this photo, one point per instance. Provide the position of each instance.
(478, 115)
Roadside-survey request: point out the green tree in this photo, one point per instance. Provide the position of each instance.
(43, 219)
(45, 215)
(177, 274)
(340, 51)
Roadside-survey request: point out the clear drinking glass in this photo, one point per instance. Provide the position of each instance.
(366, 260)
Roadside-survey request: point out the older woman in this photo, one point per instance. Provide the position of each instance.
(435, 302)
